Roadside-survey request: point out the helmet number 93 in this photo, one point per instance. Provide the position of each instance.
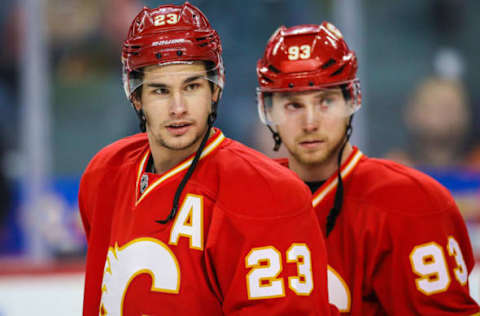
(163, 19)
(299, 52)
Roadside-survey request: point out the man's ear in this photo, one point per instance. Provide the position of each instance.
(136, 102)
(216, 94)
(350, 104)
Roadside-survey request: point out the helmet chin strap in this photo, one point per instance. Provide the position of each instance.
(337, 204)
(276, 138)
(210, 120)
(143, 121)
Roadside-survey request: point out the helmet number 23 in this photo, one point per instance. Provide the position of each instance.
(263, 280)
(163, 19)
(299, 52)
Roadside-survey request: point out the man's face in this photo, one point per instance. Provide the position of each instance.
(312, 124)
(176, 100)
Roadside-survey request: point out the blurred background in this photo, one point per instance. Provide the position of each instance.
(61, 100)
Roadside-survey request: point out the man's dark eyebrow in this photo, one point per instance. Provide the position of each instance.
(162, 85)
(156, 85)
(193, 78)
(331, 92)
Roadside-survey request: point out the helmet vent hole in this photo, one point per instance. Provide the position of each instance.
(291, 85)
(158, 55)
(267, 79)
(310, 83)
(179, 53)
(275, 70)
(339, 70)
(329, 63)
(203, 44)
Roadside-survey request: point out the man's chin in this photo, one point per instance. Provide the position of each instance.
(179, 144)
(311, 157)
(185, 142)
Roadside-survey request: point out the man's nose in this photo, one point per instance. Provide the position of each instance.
(177, 105)
(311, 119)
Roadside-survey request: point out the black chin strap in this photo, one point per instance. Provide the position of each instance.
(210, 120)
(276, 138)
(143, 121)
(337, 204)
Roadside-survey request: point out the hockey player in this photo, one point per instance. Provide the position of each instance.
(396, 242)
(181, 220)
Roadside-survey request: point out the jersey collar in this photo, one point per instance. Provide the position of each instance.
(211, 145)
(347, 167)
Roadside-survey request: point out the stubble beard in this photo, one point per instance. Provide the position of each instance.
(318, 157)
(177, 143)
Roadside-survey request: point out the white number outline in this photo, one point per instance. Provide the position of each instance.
(425, 279)
(268, 273)
(460, 271)
(300, 254)
(293, 52)
(162, 19)
(299, 52)
(306, 51)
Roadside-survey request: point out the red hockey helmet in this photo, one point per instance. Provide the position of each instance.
(170, 34)
(307, 57)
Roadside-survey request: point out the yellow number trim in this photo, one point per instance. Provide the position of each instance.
(257, 275)
(305, 287)
(162, 19)
(305, 51)
(172, 18)
(425, 279)
(460, 271)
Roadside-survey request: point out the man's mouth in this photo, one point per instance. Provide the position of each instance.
(179, 124)
(178, 128)
(311, 143)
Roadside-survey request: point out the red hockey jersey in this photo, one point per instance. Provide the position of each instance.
(245, 240)
(399, 245)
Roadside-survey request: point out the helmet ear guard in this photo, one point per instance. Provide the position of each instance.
(352, 94)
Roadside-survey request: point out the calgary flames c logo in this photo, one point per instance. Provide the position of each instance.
(144, 255)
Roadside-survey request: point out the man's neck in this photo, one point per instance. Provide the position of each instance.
(165, 159)
(321, 171)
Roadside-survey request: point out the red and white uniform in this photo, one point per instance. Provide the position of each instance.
(399, 245)
(244, 241)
